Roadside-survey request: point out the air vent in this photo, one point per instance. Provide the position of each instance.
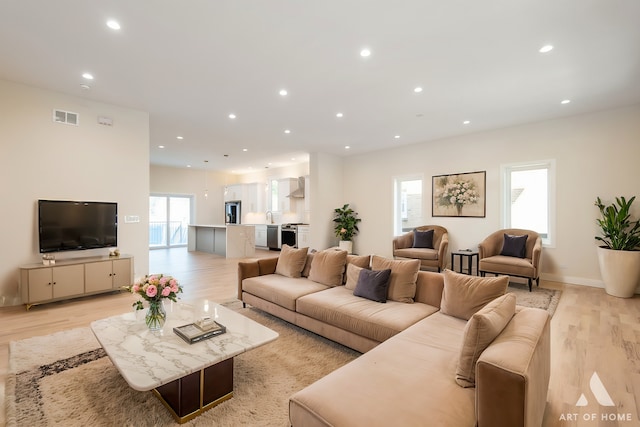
(66, 117)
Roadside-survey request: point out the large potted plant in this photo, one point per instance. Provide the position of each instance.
(619, 257)
(346, 226)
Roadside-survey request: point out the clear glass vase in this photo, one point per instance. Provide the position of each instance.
(156, 316)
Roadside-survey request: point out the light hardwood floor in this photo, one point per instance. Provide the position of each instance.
(590, 332)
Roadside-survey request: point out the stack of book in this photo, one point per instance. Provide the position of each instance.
(198, 331)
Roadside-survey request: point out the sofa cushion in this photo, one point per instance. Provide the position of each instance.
(508, 265)
(352, 275)
(423, 239)
(464, 295)
(483, 327)
(327, 267)
(404, 273)
(515, 246)
(291, 261)
(280, 290)
(417, 253)
(362, 261)
(407, 381)
(373, 285)
(340, 308)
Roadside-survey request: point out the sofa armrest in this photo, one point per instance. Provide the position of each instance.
(403, 242)
(246, 269)
(255, 268)
(536, 258)
(512, 374)
(442, 251)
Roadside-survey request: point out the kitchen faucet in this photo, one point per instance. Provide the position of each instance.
(269, 216)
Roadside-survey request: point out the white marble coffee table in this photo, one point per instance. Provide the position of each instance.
(188, 378)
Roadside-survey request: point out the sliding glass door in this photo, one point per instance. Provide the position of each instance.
(169, 217)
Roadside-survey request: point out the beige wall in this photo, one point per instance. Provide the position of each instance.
(40, 159)
(596, 155)
(193, 182)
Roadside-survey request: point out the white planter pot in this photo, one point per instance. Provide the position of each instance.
(620, 271)
(346, 245)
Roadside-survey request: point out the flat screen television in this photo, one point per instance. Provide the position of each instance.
(65, 225)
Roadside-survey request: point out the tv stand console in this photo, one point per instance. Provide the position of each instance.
(74, 278)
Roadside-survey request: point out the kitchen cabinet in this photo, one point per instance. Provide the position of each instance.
(233, 192)
(307, 194)
(253, 198)
(304, 238)
(261, 236)
(285, 187)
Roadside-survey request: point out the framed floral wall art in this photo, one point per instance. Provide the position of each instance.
(462, 195)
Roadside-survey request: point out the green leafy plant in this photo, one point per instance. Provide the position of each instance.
(618, 230)
(346, 222)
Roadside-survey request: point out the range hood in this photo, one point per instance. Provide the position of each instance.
(298, 193)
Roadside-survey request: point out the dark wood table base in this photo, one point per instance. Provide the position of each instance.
(191, 395)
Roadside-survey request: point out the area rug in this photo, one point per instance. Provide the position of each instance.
(65, 379)
(546, 299)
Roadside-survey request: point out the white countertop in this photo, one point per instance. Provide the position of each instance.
(147, 360)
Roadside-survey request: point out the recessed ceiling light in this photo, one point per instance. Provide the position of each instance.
(293, 159)
(466, 122)
(283, 92)
(365, 52)
(232, 116)
(418, 89)
(546, 48)
(339, 115)
(188, 166)
(85, 87)
(160, 146)
(245, 149)
(565, 101)
(179, 137)
(114, 25)
(287, 131)
(87, 76)
(269, 163)
(346, 147)
(397, 137)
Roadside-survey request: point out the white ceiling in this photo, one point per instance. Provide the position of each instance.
(192, 63)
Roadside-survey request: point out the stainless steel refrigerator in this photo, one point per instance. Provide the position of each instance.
(232, 214)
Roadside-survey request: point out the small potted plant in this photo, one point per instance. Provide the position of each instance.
(619, 257)
(346, 226)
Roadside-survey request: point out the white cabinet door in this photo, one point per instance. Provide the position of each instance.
(233, 192)
(98, 276)
(261, 236)
(285, 187)
(304, 240)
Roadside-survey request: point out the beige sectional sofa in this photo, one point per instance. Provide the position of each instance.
(454, 355)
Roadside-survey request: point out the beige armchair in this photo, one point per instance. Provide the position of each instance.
(429, 258)
(528, 266)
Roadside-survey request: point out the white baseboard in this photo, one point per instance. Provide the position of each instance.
(581, 281)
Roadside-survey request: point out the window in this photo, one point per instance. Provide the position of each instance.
(169, 217)
(528, 201)
(407, 204)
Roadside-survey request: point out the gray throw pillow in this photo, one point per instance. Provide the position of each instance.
(515, 246)
(373, 284)
(423, 239)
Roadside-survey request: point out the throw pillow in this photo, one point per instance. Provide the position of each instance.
(423, 239)
(327, 267)
(404, 273)
(464, 295)
(291, 261)
(361, 261)
(373, 285)
(352, 276)
(515, 246)
(481, 330)
(307, 264)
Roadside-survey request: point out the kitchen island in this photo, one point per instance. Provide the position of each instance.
(230, 241)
